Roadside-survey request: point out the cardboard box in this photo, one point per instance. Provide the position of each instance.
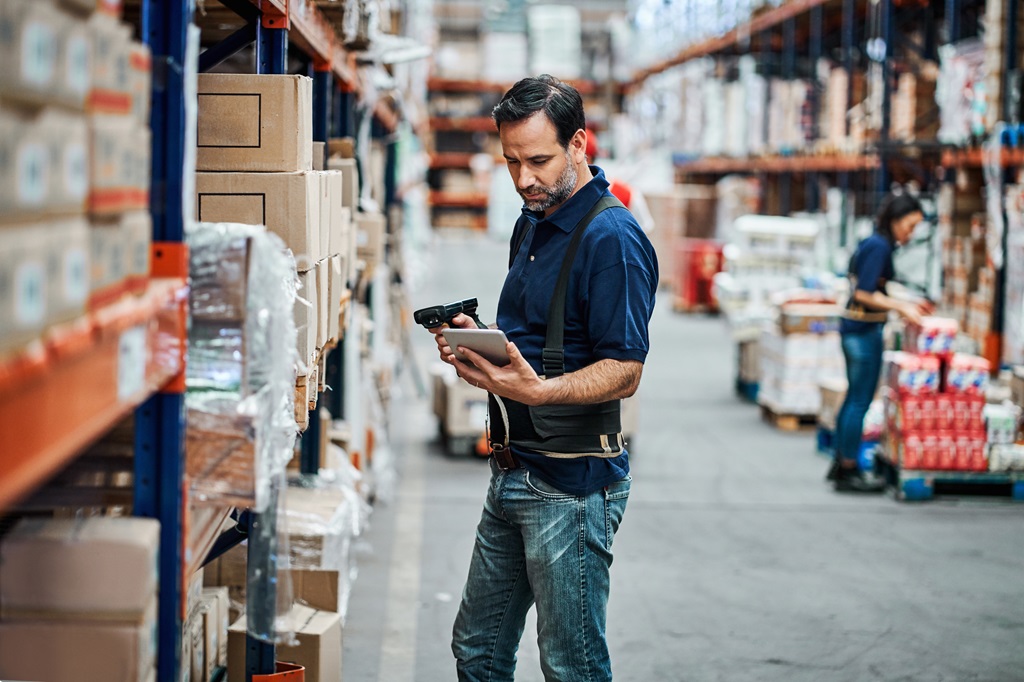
(30, 51)
(319, 156)
(24, 285)
(228, 572)
(318, 649)
(371, 231)
(255, 123)
(47, 168)
(111, 87)
(340, 215)
(286, 203)
(323, 299)
(217, 601)
(80, 568)
(137, 230)
(460, 407)
(307, 325)
(335, 292)
(350, 181)
(317, 588)
(67, 268)
(323, 227)
(70, 651)
(108, 256)
(119, 160)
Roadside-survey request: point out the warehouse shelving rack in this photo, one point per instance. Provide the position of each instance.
(81, 379)
(808, 28)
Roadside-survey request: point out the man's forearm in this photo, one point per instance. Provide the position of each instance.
(596, 383)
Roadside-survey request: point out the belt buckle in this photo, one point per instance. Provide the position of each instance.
(503, 457)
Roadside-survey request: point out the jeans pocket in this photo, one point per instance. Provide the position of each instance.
(615, 497)
(545, 490)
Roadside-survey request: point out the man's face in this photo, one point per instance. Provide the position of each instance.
(543, 171)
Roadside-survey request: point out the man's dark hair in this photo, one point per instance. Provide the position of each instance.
(561, 102)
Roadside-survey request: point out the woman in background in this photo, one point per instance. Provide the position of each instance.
(870, 270)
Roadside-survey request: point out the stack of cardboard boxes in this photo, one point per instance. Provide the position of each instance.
(257, 166)
(74, 176)
(78, 599)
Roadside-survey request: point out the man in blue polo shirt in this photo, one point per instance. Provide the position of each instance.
(560, 470)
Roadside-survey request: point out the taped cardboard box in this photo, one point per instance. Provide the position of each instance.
(371, 230)
(228, 572)
(119, 165)
(350, 180)
(340, 215)
(335, 292)
(70, 651)
(286, 203)
(255, 123)
(24, 285)
(67, 268)
(318, 589)
(79, 568)
(307, 325)
(47, 169)
(318, 650)
(217, 600)
(323, 288)
(39, 43)
(111, 86)
(108, 257)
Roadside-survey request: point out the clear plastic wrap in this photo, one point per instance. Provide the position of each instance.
(242, 359)
(323, 516)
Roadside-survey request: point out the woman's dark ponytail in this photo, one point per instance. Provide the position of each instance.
(894, 207)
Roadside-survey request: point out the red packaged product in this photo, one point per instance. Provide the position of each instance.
(911, 451)
(968, 413)
(929, 452)
(927, 417)
(945, 418)
(945, 452)
(964, 452)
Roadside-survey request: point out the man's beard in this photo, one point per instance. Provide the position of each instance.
(556, 193)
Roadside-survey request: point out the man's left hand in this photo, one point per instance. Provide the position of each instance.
(516, 380)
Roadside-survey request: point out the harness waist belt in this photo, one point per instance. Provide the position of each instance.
(567, 431)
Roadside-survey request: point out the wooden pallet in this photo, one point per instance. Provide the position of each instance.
(788, 422)
(915, 486)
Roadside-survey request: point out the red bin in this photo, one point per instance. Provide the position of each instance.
(697, 262)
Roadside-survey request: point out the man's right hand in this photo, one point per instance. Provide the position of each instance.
(460, 321)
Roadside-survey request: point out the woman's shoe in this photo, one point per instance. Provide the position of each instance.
(849, 480)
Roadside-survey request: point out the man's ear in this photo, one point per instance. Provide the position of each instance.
(578, 146)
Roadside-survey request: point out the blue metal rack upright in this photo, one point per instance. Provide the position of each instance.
(160, 421)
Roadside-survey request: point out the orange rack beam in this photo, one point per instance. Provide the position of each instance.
(64, 392)
(471, 124)
(781, 164)
(312, 33)
(975, 158)
(458, 200)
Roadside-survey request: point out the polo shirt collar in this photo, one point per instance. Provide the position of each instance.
(577, 206)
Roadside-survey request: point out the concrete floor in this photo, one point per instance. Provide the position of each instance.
(734, 561)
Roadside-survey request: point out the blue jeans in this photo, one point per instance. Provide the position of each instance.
(536, 544)
(863, 353)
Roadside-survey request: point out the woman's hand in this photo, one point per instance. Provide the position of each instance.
(913, 312)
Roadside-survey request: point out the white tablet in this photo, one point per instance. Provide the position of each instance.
(490, 343)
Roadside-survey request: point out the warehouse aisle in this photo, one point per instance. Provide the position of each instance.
(734, 561)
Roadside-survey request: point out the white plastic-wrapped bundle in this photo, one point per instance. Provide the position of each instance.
(714, 117)
(242, 359)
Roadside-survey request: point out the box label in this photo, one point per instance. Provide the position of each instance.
(76, 171)
(29, 294)
(76, 65)
(76, 276)
(38, 53)
(131, 363)
(33, 173)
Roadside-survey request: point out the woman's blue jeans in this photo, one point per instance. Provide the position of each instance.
(863, 353)
(536, 544)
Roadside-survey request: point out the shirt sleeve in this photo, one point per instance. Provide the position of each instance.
(621, 292)
(870, 265)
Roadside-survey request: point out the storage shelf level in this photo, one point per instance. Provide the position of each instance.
(62, 394)
(458, 200)
(737, 36)
(472, 124)
(780, 164)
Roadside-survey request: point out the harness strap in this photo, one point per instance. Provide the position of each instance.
(553, 355)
